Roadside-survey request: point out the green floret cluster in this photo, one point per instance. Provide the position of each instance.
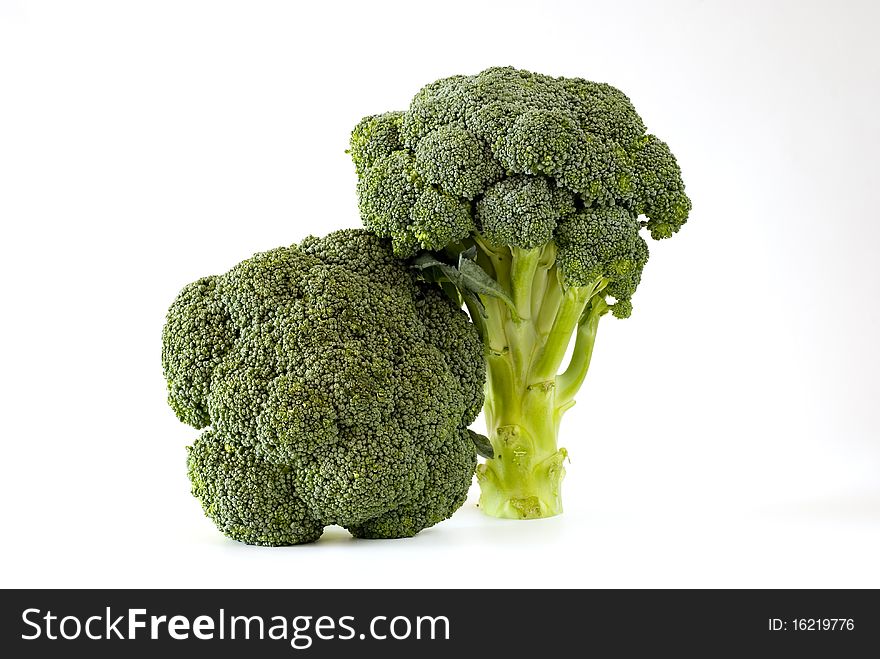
(521, 159)
(603, 245)
(525, 197)
(335, 389)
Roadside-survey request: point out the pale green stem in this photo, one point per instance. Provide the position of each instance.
(569, 382)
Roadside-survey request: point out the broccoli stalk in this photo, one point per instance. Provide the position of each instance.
(525, 198)
(527, 392)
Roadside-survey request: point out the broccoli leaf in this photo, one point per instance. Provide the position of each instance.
(484, 446)
(469, 278)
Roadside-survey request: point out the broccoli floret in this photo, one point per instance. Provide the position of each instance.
(530, 195)
(337, 389)
(197, 334)
(520, 211)
(447, 466)
(249, 499)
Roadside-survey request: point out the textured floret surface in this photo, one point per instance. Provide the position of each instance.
(522, 159)
(333, 388)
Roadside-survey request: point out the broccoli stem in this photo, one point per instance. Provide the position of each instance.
(526, 396)
(569, 382)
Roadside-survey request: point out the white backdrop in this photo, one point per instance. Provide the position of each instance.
(728, 433)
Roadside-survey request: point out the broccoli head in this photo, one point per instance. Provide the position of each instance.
(531, 194)
(521, 159)
(335, 389)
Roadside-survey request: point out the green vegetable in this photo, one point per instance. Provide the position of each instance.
(337, 389)
(530, 193)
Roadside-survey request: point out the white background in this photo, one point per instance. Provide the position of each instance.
(728, 433)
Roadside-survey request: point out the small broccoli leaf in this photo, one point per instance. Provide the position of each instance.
(473, 278)
(476, 302)
(432, 275)
(470, 254)
(484, 446)
(451, 292)
(469, 278)
(425, 260)
(434, 270)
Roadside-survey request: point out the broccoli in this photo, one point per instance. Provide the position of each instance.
(524, 196)
(336, 389)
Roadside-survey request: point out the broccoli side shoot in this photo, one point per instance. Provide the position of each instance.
(532, 197)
